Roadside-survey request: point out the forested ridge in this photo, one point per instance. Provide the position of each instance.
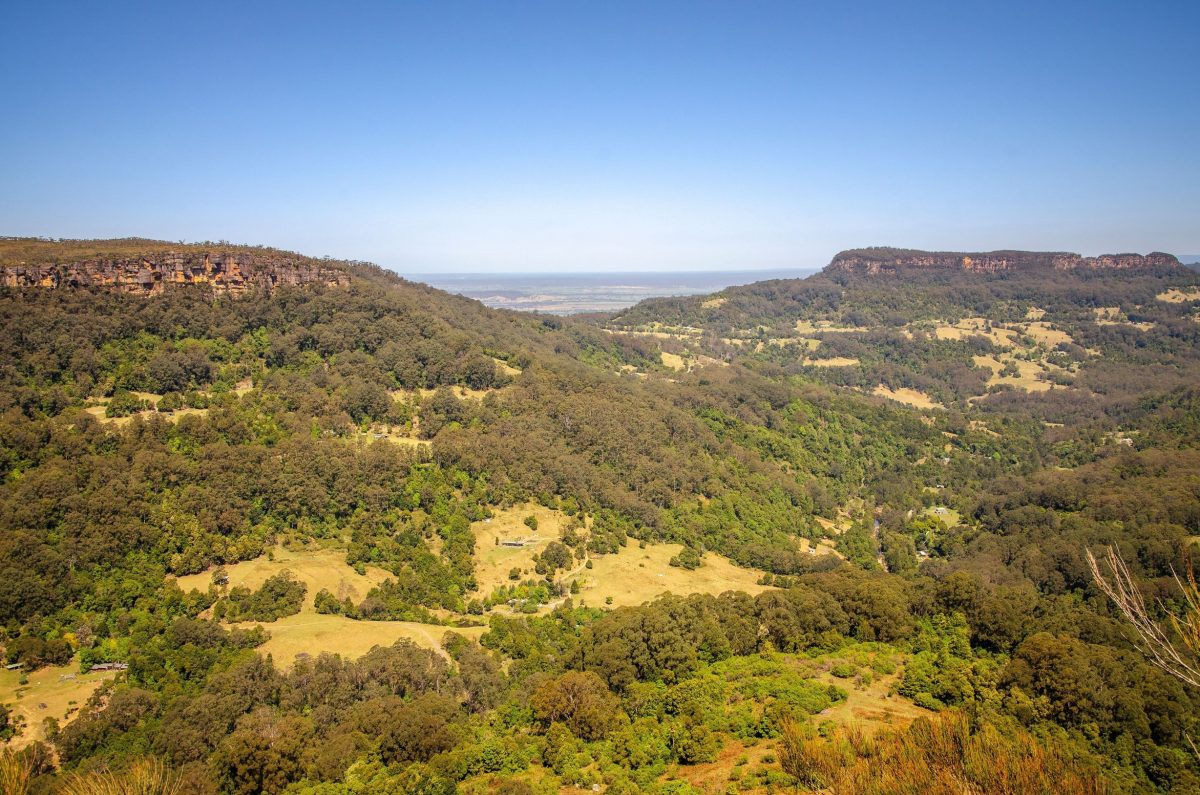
(929, 556)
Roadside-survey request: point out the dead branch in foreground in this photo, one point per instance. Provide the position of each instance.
(1154, 641)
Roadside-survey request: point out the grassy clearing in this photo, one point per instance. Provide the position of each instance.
(825, 326)
(674, 361)
(310, 632)
(713, 303)
(733, 760)
(506, 368)
(1047, 335)
(1177, 296)
(835, 361)
(1113, 316)
(1034, 313)
(313, 633)
(98, 410)
(947, 516)
(871, 707)
(910, 397)
(635, 576)
(316, 568)
(1027, 379)
(398, 435)
(976, 327)
(660, 331)
(49, 694)
(493, 560)
(460, 392)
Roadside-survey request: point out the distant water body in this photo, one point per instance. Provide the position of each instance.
(569, 294)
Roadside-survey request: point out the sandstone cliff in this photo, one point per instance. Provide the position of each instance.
(232, 272)
(871, 261)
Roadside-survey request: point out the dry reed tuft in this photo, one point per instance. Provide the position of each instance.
(143, 777)
(943, 755)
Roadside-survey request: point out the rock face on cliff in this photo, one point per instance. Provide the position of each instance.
(872, 261)
(226, 272)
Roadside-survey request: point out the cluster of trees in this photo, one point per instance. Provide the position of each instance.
(280, 595)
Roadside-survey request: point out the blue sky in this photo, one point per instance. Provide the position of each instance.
(529, 136)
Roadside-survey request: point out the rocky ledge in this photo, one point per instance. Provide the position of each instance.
(233, 273)
(872, 261)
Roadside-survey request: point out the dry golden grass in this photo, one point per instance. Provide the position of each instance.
(714, 776)
(310, 632)
(1050, 337)
(947, 516)
(674, 361)
(314, 633)
(835, 361)
(660, 331)
(460, 392)
(825, 326)
(713, 303)
(15, 773)
(170, 416)
(315, 567)
(910, 397)
(98, 411)
(48, 695)
(807, 342)
(1113, 316)
(635, 576)
(938, 755)
(1035, 313)
(493, 561)
(506, 368)
(398, 435)
(147, 776)
(870, 708)
(976, 327)
(1027, 379)
(1177, 296)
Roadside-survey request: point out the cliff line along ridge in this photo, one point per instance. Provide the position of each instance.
(232, 273)
(873, 261)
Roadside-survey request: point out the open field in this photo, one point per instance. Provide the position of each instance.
(317, 568)
(947, 516)
(635, 576)
(460, 392)
(1027, 379)
(314, 633)
(98, 410)
(835, 361)
(397, 435)
(867, 707)
(48, 695)
(1177, 296)
(1048, 336)
(660, 331)
(976, 327)
(493, 561)
(311, 632)
(506, 368)
(674, 361)
(1113, 316)
(870, 708)
(824, 327)
(714, 777)
(910, 397)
